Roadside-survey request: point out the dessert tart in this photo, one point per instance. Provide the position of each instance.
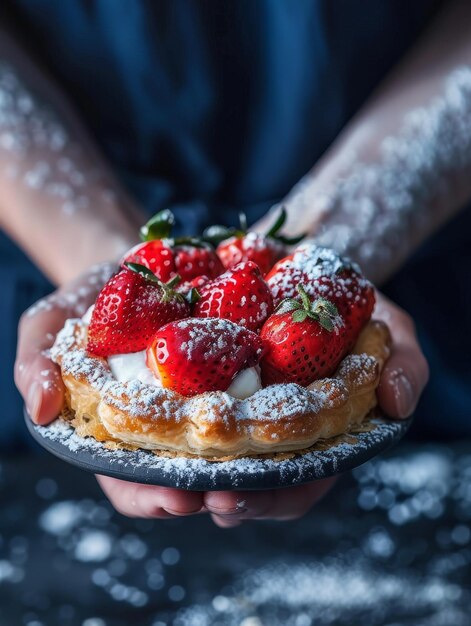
(191, 349)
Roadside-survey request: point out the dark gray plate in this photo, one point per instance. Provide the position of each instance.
(199, 475)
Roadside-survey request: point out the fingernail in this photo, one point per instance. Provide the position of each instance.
(182, 514)
(238, 510)
(403, 393)
(34, 401)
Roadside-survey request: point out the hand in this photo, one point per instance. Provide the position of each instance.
(406, 371)
(37, 378)
(41, 386)
(402, 381)
(40, 383)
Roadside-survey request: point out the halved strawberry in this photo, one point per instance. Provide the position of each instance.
(303, 341)
(240, 295)
(264, 250)
(129, 309)
(196, 355)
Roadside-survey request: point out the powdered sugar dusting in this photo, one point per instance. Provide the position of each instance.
(139, 399)
(247, 473)
(226, 336)
(77, 298)
(314, 267)
(78, 364)
(37, 150)
(280, 402)
(375, 210)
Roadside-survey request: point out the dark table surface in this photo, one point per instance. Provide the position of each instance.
(390, 546)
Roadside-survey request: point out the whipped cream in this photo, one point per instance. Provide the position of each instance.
(87, 316)
(132, 366)
(245, 384)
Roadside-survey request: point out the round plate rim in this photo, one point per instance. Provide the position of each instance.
(259, 474)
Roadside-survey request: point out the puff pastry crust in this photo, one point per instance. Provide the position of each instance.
(214, 425)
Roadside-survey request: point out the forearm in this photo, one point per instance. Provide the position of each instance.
(59, 200)
(403, 165)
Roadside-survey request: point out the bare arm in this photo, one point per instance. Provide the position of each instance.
(58, 199)
(402, 166)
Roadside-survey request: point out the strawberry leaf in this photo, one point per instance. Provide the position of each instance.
(287, 305)
(158, 227)
(328, 306)
(325, 321)
(144, 271)
(300, 315)
(304, 297)
(173, 282)
(193, 296)
(279, 223)
(290, 241)
(194, 242)
(215, 234)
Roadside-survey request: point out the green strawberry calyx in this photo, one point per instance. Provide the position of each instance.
(216, 234)
(274, 232)
(321, 310)
(158, 227)
(168, 288)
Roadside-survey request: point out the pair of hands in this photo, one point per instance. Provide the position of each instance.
(41, 386)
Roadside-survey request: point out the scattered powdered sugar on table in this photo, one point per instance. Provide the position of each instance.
(390, 546)
(193, 473)
(324, 593)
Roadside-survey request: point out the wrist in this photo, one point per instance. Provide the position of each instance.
(93, 251)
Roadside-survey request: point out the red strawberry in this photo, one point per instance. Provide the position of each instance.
(306, 265)
(194, 258)
(196, 283)
(264, 250)
(240, 295)
(189, 257)
(156, 255)
(325, 274)
(251, 247)
(196, 355)
(129, 309)
(283, 279)
(155, 252)
(355, 299)
(302, 341)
